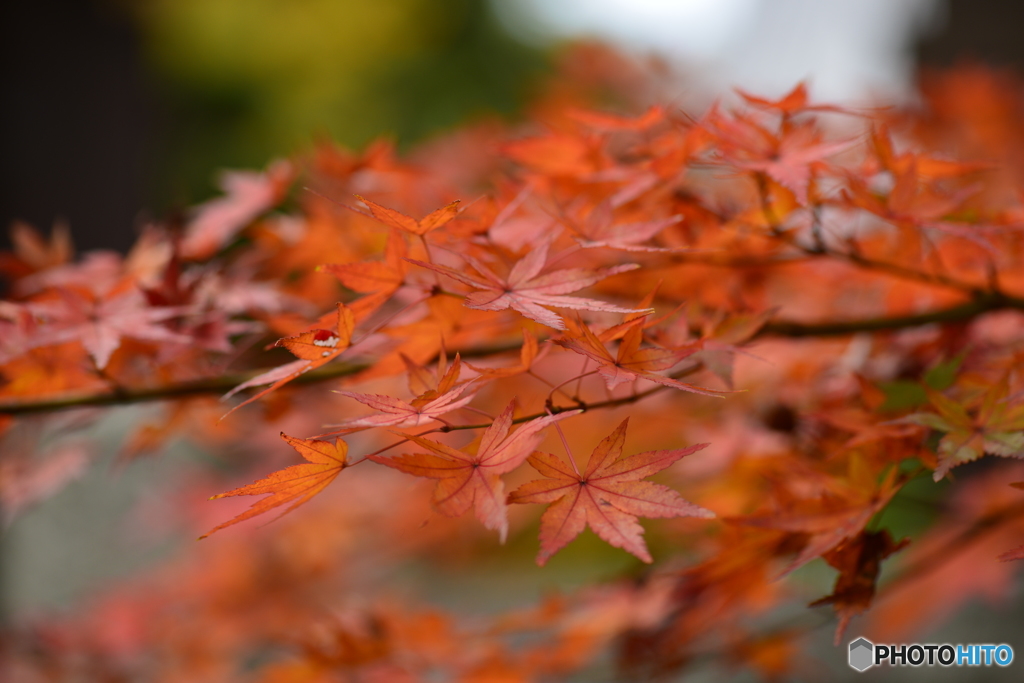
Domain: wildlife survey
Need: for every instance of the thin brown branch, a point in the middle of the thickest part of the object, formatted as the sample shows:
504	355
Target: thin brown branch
953	314
199	387
583	405
953	546
778	328
821	250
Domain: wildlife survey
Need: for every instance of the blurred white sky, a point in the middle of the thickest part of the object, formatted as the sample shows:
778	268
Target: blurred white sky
849	49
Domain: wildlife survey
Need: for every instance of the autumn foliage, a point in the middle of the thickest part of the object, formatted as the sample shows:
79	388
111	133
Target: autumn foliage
760	332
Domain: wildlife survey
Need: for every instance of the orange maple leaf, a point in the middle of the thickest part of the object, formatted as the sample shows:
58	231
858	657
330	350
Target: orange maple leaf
630	361
471	479
313	349
608	496
605	122
527	356
793	102
298	483
378	279
397	219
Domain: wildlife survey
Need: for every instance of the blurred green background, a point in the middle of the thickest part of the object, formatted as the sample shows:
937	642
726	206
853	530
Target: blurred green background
244	80
121	110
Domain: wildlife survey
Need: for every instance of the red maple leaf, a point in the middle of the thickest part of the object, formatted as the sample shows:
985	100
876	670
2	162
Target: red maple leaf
527	291
425	408
608	496
100	322
630	362
471	479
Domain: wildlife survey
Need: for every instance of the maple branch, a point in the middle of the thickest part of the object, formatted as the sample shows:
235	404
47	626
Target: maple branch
964	312
957	544
820	249
207	385
583	406
981	304
199	387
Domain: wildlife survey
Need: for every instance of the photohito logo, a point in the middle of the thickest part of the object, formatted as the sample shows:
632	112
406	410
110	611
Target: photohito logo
863	654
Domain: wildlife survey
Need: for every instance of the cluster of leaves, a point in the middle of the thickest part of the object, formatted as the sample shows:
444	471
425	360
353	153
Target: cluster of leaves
842	299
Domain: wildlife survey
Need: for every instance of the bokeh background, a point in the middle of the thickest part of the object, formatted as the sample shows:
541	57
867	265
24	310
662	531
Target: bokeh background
117	112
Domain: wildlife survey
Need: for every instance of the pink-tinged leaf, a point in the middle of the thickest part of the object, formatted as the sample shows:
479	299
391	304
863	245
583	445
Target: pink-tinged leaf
630	361
608	496
247	195
426	408
100	323
528	292
600	230
281	372
471	479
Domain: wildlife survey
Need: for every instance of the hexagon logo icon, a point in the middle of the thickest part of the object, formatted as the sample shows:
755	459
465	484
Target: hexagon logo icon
862	653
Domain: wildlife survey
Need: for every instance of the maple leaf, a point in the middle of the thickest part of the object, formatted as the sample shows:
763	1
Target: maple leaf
840	512
471	479
603	121
793	102
426	407
100	323
374	277
916	203
608	496
556	154
248	195
399	220
527	291
527	356
996	427
36	253
858	560
296	484
599	230
630	361
313	349
788	158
